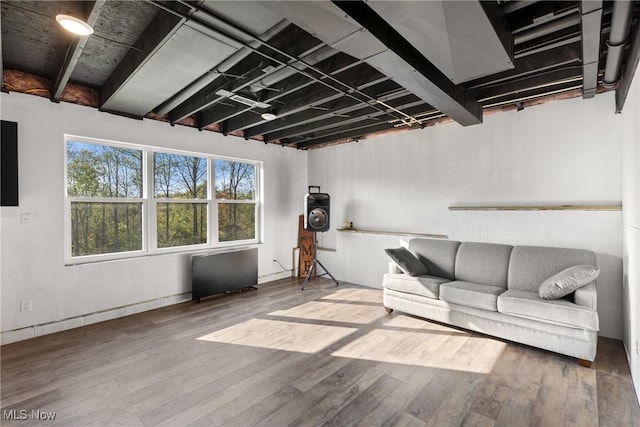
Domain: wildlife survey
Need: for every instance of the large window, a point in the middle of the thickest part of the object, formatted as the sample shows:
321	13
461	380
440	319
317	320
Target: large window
236	196
125	200
104	188
180	191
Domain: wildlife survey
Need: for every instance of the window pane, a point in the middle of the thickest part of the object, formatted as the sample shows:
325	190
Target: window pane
179	177
102	171
100	228
235	180
236	221
181	224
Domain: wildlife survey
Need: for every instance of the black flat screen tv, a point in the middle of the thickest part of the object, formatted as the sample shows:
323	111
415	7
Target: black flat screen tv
223	272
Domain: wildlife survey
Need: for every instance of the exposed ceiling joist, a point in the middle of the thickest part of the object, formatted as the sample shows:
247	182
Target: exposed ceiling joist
384	48
340	118
328	113
537	64
329	71
74	51
251	71
163	26
591	22
301	106
298	84
347	131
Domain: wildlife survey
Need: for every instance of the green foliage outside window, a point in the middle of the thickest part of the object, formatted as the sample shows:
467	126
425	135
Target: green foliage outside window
102	228
103	171
106	187
236	221
180	177
235	190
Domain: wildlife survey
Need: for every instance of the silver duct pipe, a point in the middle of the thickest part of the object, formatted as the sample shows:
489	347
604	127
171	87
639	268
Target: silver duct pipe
513	6
219	69
310	59
620	25
547	28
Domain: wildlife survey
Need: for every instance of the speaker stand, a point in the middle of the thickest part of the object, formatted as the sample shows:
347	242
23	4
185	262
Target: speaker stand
314	265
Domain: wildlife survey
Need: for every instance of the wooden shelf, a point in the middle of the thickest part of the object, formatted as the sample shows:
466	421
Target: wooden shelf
539	208
392	233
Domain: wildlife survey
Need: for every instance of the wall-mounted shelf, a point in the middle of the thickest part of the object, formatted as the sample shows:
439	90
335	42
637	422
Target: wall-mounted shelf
539	208
392	233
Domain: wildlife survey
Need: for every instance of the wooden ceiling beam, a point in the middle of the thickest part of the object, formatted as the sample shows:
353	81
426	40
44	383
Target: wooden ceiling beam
73	52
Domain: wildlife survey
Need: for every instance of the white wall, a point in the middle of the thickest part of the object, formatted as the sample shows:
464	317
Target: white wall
631	229
32	256
565	152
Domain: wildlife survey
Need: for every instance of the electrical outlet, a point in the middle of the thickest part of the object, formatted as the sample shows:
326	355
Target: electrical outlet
26	305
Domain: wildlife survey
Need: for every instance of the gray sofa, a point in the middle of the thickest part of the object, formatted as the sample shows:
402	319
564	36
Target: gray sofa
493	289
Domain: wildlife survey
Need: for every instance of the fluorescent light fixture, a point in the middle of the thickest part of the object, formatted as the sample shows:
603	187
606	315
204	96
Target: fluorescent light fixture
74	25
242	99
268	116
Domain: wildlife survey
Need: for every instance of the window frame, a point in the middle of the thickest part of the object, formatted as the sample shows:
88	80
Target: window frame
255	201
149	204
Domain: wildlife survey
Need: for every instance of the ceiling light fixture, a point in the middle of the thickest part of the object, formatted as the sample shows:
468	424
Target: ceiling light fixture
268	116
74	25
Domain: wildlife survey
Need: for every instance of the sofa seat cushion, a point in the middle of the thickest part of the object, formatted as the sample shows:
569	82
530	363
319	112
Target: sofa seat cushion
471	294
562	312
427	286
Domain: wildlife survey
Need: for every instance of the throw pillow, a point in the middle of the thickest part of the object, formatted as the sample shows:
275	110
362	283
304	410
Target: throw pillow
407	261
567	281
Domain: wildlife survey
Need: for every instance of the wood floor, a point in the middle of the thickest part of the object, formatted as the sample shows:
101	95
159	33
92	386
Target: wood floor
325	356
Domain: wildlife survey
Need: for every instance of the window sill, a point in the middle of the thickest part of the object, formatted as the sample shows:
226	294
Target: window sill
128	256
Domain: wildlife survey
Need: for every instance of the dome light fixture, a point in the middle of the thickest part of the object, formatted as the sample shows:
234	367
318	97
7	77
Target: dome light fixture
268	116
74	25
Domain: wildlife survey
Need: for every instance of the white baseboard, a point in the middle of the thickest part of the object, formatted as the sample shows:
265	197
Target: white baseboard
22	334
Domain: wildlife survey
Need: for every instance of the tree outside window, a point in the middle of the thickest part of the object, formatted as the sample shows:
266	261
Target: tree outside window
105	187
114	209
180	189
236	197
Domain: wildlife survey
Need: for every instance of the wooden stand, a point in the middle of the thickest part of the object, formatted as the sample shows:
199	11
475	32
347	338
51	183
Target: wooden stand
307	248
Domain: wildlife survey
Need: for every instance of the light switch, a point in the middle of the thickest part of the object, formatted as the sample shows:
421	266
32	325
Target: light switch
25	218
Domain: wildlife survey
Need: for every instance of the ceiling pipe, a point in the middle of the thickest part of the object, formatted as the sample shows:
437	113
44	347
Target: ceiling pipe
219	69
547	28
310	59
618	37
324	79
513	6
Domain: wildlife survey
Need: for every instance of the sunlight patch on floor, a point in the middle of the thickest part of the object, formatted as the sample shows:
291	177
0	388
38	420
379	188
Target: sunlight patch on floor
278	335
437	350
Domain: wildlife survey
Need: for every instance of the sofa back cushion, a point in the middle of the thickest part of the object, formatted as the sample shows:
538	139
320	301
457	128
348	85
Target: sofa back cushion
483	263
529	266
438	255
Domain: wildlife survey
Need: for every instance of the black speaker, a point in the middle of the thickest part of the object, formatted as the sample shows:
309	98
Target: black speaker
316	212
9	164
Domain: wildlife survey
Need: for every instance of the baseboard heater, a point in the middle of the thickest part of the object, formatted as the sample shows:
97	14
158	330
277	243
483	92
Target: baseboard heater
222	272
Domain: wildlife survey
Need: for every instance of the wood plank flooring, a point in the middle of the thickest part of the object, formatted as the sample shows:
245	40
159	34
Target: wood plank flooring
279	356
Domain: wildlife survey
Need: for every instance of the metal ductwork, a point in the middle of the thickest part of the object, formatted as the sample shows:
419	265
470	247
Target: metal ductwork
618	37
515	5
220	69
591	24
547	28
310	59
368	33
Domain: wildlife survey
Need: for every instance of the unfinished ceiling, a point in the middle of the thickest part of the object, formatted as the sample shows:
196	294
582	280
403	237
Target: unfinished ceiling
327	72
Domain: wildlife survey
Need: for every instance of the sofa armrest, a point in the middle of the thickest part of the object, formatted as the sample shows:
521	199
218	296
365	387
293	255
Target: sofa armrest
587	296
394	269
